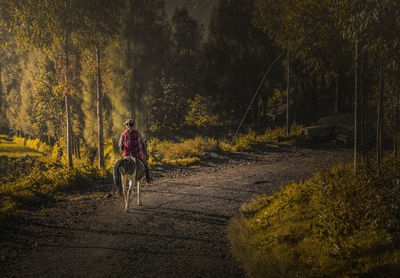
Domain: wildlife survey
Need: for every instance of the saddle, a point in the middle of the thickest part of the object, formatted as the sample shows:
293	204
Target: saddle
129	164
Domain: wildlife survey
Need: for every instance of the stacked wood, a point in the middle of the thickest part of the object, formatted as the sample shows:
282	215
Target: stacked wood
344	133
339	128
319	132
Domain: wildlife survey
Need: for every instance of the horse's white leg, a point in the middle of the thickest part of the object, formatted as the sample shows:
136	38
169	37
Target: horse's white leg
125	192
129	194
138	192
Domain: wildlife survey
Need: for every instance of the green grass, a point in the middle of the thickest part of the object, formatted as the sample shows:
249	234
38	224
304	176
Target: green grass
184	153
336	224
44	177
38	180
17	147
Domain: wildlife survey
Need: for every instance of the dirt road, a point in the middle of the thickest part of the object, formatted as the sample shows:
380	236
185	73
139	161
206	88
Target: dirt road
179	231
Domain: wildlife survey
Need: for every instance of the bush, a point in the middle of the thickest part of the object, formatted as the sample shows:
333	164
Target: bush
336	224
271	137
186	152
199	113
44	184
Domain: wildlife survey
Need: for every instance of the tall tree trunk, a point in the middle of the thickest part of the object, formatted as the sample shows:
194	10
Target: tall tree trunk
365	111
361	91
78	150
67	109
288	96
379	116
1	94
396	120
135	80
100	111
356	110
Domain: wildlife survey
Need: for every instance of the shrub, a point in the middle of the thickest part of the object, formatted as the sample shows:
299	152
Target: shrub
43	184
185	152
271	137
199	112
336	224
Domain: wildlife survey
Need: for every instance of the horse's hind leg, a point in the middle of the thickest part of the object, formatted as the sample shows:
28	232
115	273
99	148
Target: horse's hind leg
125	190
138	192
129	195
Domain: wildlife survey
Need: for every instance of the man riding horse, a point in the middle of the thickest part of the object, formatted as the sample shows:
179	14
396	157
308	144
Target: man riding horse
131	144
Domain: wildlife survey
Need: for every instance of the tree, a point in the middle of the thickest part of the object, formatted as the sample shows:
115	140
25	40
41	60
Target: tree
138	64
101	27
237	54
12	57
41	23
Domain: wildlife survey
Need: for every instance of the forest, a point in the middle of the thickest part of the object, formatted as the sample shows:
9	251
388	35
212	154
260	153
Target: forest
232	75
79	79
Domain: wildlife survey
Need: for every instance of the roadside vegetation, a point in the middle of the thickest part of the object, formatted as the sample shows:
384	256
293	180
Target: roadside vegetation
336	224
34	174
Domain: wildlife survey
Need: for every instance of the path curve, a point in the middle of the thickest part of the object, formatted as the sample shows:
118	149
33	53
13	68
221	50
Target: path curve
179	231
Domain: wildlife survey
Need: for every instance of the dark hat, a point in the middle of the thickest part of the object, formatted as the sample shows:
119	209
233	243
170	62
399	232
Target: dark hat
129	122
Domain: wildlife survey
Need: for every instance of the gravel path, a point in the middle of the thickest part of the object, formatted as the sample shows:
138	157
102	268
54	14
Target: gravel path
179	231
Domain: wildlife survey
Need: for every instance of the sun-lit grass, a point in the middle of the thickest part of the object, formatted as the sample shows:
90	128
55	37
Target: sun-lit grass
336	224
186	152
17	147
39	179
272	137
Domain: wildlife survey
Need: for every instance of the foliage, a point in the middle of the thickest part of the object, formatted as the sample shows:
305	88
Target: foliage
336	224
200	112
45	183
170	108
39	178
183	153
271	137
237	54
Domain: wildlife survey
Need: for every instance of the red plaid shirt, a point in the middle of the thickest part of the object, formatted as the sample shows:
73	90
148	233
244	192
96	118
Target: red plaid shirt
132	143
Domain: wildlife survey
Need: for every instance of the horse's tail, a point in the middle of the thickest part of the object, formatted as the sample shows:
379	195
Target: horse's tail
117	176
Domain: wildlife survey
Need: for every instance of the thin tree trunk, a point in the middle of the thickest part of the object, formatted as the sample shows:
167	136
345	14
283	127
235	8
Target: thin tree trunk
396	121
100	111
78	151
379	117
361	90
288	96
1	93
67	110
364	111
356	116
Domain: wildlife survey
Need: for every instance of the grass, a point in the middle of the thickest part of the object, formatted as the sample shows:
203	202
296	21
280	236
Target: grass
43	176
39	179
336	224
185	152
271	138
17	147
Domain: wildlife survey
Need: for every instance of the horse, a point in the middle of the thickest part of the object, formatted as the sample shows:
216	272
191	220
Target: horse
128	169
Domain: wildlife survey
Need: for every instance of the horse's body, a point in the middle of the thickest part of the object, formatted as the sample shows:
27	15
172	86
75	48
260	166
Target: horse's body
128	169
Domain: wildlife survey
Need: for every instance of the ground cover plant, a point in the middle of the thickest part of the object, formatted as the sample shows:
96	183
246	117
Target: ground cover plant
34	174
272	137
34	181
337	224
